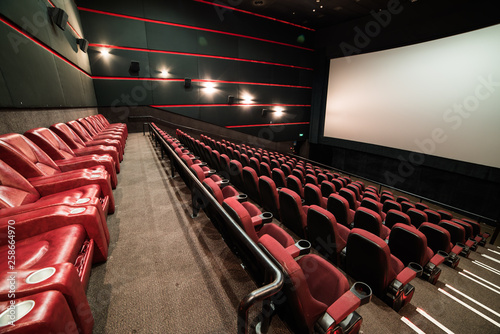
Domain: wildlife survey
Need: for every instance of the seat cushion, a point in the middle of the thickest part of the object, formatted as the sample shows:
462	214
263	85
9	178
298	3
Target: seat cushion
56	246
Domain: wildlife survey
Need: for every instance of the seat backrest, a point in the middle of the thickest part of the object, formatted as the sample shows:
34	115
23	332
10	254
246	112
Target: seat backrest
322	177
327	188
265	169
86	124
339	206
372	195
391	205
67	135
25	157
438	238
236	174
349	195
421	206
300	306
355	190
312	195
408	244
15	190
286	169
372	204
241	215
433	216
255	164
224	163
368	220
214	189
50	143
417	217
368	259
251	183
80	131
405	206
322	232
467	227
311	179
297	172
385	196
476	228
291	211
278	177
200	174
402	199
293	183
395	216
457	232
445	214
269	196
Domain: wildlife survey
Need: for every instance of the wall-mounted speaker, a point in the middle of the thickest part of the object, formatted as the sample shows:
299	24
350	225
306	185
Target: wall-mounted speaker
134	68
230	99
83	44
58	17
187	83
264	112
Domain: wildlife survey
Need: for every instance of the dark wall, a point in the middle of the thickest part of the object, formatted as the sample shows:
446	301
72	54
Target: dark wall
195	40
470	187
30	75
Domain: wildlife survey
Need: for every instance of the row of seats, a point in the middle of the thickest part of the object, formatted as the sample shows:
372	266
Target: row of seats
323	299
55	194
415	239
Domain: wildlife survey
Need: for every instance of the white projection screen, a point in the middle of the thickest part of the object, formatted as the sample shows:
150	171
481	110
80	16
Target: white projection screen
440	97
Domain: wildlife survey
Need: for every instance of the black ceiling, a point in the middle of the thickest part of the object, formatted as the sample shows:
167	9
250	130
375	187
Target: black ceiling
314	13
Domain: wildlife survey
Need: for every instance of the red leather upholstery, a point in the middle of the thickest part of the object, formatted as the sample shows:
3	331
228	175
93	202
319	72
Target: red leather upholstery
350	196
313	195
64	157
65	280
278	177
33	223
394	217
417	217
95	140
269	196
371	221
50	314
17	195
243	212
31	162
104	134
219	194
374	205
79	147
312	287
251	183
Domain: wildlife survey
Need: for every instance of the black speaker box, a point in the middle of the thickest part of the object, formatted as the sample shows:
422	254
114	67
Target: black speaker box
59	17
187	83
230	99
83	43
134	67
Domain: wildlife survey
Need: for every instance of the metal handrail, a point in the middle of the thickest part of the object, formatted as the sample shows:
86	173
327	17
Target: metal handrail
256	295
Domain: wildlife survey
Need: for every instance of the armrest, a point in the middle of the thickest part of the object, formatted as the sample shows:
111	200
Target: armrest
359	294
301	247
241	198
48	185
33	223
438	258
92	162
406	275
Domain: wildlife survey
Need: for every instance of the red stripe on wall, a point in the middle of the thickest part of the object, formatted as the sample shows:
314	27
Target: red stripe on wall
195	55
251	13
46	47
201	80
191	27
257	125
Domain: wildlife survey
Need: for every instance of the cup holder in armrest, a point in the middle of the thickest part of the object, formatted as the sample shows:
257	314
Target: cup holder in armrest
279	189
19	311
304	246
461	244
40	275
195	157
442	253
222	183
362	291
416	268
212	172
266	217
242	198
202	164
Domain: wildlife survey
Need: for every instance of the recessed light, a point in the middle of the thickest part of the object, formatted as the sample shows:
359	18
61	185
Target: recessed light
321	6
314	10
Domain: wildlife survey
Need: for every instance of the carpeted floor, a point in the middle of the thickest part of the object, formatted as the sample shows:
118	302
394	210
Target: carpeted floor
169	273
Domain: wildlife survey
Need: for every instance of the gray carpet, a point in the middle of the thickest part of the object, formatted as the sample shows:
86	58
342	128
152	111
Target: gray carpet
169	273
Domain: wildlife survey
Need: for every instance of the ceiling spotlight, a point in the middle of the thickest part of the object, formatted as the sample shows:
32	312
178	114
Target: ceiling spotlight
314	10
105	52
164	73
278	111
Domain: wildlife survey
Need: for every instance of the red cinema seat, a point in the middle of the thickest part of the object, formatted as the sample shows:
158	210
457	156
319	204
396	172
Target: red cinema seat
394	217
293	214
42	313
106	123
269	196
30	161
221	194
350	196
417	217
66	159
433	216
293	183
369	220
251	183
242	213
80	147
439	239
62	278
319	299
111	134
278	177
88	139
313	196
368	259
339	206
457	234
410	245
325	235
99	127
